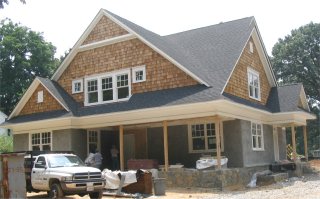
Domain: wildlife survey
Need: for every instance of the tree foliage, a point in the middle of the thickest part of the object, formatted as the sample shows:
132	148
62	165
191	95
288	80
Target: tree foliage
2	2
24	54
6	144
296	58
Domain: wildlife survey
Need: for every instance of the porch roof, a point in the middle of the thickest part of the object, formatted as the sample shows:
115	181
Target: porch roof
162	98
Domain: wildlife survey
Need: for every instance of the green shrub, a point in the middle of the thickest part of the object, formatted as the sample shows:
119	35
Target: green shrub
6	144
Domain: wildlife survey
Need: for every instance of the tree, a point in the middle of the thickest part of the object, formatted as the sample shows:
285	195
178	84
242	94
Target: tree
2	2
296	58
24	54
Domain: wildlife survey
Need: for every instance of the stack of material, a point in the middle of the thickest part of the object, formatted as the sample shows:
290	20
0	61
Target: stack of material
143	184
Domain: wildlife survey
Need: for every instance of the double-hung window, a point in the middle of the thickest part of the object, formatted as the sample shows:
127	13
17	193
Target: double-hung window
107	89
110	87
92	90
123	86
202	137
257	136
253	84
41	141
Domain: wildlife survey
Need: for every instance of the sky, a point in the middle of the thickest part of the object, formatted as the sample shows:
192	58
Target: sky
62	22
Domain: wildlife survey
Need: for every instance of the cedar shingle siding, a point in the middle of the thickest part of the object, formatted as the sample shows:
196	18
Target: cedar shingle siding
238	83
49	103
105	29
160	73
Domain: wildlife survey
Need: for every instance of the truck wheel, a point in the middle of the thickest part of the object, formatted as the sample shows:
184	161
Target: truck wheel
55	191
96	195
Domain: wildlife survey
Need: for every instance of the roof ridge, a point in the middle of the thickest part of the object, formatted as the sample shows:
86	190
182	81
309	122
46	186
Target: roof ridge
203	27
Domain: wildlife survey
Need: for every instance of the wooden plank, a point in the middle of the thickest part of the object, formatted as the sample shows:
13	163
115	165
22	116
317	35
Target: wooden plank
294	147
218	128
165	143
305	142
275	143
121	148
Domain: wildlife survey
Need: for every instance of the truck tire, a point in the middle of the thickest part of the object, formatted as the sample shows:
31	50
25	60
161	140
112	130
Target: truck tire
96	195
55	191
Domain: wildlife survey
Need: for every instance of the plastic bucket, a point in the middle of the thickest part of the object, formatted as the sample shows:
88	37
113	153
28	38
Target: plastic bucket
159	186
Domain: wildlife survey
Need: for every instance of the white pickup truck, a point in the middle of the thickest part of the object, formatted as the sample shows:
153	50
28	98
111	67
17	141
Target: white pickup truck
62	174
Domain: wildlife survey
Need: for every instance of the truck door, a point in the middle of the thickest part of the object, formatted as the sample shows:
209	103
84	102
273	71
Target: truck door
37	174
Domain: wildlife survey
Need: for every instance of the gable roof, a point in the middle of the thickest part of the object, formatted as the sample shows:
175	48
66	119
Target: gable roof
286	98
62	97
207	54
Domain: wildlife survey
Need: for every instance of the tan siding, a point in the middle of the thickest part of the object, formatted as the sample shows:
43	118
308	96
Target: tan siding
238	83
104	29
160	73
49	103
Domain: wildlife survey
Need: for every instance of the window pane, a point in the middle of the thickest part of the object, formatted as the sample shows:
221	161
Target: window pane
46	148
93	97
107	83
259	145
122	80
212	143
35	148
123	92
211	129
198	143
107	95
139	75
92	85
254	144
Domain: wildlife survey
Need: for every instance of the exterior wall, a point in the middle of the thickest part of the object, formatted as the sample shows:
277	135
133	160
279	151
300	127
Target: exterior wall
177	146
21	142
2	119
49	103
256	158
70	140
160	73
238	83
233	143
282	144
104	29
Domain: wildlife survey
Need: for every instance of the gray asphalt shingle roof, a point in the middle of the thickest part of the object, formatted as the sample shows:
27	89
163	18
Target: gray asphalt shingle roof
209	52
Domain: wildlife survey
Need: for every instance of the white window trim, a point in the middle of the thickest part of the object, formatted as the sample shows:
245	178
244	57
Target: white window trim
30	139
40	97
205	122
98	143
262	137
73	86
136	69
114	83
249	72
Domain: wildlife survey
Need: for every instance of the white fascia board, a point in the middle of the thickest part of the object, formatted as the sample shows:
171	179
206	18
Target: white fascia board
26	96
106	42
173	61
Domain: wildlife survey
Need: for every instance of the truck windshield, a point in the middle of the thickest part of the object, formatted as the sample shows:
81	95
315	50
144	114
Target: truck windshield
64	161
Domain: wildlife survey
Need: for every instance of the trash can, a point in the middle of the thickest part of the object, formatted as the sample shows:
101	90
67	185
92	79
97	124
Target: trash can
159	185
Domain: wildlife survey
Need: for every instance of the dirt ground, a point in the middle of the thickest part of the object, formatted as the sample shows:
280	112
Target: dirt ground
306	187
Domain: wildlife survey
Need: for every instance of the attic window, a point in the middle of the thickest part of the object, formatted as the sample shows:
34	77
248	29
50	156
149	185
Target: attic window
254	84
77	86
139	74
250	47
40	97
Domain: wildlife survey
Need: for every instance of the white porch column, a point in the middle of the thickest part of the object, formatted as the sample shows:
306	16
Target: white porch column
165	145
275	143
218	127
121	148
294	147
305	141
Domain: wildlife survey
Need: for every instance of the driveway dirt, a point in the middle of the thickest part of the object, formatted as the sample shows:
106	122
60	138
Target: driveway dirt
306	187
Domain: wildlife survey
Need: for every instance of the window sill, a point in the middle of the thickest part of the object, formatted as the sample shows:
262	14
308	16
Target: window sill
258	150
106	102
